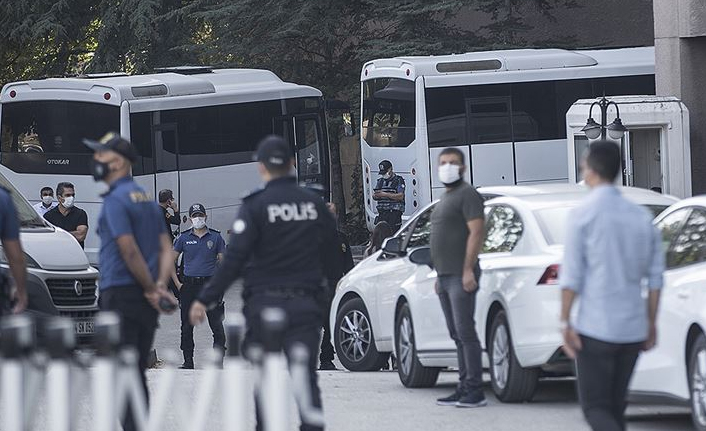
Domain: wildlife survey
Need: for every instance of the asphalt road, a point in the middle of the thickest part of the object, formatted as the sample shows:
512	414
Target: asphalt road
377	401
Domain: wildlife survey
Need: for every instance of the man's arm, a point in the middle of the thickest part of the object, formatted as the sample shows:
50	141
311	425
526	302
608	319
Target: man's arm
16	260
473	246
654	283
80	233
572	275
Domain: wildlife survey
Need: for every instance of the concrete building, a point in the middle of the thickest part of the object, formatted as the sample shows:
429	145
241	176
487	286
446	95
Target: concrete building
680	55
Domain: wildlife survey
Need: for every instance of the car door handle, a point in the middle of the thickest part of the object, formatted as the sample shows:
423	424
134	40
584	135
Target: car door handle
683	294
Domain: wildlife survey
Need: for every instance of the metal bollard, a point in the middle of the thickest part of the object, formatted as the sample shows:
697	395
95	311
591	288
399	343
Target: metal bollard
274	395
299	367
107	336
60	342
16	337
236	384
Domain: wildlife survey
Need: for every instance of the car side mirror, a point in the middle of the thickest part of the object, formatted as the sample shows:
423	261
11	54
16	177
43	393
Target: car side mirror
393	246
422	256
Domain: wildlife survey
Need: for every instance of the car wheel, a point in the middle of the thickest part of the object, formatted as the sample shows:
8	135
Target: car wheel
412	373
511	383
697	382
354	340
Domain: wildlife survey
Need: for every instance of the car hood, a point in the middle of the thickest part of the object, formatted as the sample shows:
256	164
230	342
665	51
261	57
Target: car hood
54	250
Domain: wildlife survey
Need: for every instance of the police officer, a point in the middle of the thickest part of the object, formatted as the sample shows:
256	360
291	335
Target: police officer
338	265
281	233
135	253
10	238
389	194
202	249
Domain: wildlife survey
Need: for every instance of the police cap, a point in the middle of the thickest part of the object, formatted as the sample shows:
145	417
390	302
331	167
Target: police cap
196	209
112	141
384	166
273	150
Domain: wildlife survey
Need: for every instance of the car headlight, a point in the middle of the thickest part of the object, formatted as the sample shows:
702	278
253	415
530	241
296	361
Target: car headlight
31	263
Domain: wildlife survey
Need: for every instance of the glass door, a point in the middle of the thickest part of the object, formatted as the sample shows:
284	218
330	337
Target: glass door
305	137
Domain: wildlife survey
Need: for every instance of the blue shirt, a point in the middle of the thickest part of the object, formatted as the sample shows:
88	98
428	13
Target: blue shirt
200	254
612	253
128	210
9	225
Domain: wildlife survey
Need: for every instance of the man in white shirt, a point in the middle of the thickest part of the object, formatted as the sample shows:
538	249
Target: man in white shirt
47	203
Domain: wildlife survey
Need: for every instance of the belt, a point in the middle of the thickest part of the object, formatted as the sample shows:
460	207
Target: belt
196	280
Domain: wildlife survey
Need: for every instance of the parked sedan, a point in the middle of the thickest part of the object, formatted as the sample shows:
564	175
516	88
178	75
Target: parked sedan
675	370
388	303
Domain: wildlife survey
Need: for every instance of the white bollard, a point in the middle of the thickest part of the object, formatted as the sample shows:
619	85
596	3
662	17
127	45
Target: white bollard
61	340
236	382
275	393
16	336
107	338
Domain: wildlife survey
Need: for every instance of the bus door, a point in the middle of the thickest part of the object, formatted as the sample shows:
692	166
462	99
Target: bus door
305	136
490	136
166	147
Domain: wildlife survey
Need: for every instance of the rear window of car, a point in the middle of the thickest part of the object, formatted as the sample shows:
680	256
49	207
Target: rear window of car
552	221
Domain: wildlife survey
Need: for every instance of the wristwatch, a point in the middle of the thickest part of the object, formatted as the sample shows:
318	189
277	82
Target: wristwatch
564	325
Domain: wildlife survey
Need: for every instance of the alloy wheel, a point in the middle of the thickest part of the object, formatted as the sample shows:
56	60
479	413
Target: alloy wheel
698	388
406	346
355	335
501	356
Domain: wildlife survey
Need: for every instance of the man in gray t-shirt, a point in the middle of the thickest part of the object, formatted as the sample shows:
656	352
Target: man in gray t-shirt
457	232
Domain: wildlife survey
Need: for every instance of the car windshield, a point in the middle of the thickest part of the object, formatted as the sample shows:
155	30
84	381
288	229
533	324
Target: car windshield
552	221
27	215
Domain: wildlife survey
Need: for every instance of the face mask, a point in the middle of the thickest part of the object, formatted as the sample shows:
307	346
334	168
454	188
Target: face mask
69	202
99	170
387	175
47	200
449	174
199	222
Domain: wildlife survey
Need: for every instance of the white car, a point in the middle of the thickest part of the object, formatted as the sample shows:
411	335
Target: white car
675	370
388	301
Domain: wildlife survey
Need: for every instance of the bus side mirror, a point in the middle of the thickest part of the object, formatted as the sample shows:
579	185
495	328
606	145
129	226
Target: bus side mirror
348	124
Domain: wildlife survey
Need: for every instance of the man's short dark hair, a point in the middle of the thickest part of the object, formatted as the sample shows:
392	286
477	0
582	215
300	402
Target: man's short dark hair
63	185
46	189
603	158
456	152
165	195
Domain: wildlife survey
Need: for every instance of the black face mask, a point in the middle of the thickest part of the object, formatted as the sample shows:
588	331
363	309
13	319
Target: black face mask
99	170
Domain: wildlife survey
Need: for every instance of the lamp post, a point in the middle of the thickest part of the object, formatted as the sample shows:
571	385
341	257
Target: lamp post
593	130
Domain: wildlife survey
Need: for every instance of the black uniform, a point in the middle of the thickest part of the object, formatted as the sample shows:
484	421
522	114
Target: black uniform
338	265
279	239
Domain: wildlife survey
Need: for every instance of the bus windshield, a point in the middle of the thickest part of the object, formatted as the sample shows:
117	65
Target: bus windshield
27	215
47	134
388	112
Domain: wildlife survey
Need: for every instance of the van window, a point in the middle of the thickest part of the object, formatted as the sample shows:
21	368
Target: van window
27	215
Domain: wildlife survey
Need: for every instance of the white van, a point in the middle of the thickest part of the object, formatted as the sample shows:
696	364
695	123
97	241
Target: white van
60	280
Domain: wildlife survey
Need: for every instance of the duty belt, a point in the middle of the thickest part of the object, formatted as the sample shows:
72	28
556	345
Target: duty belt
196	280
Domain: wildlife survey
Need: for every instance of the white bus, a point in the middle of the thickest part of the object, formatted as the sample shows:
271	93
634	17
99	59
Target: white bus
195	130
504	109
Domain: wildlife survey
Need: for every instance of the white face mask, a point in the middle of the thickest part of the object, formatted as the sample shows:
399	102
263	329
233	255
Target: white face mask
387	175
198	222
69	202
449	174
47	200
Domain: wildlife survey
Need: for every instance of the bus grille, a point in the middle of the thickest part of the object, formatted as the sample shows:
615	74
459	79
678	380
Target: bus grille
67	293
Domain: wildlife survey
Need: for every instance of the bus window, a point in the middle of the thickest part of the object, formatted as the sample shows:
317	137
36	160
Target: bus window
388	112
446	117
624	85
46	136
489	119
141	138
308	148
534	115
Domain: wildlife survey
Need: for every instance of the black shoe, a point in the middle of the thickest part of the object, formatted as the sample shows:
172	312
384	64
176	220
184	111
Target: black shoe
451	400
327	366
474	399
187	365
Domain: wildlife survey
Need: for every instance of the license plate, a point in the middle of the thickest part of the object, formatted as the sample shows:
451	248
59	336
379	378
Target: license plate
84	328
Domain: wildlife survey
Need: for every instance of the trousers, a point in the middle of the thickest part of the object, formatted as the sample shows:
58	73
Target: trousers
327	350
215	316
604	371
459	309
303	326
138	323
392	217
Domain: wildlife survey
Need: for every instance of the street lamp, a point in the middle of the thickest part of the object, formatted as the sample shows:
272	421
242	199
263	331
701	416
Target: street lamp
593	130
